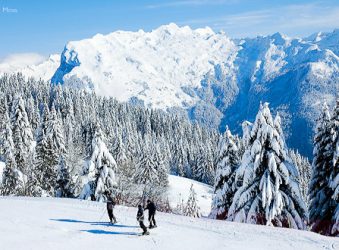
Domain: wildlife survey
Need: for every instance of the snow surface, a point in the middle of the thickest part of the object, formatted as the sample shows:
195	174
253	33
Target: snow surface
49	223
179	189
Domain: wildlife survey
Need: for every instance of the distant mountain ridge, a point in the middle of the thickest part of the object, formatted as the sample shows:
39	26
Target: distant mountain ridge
219	81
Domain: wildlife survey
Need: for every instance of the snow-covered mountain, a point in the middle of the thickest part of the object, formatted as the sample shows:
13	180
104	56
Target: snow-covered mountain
31	65
154	67
49	223
218	80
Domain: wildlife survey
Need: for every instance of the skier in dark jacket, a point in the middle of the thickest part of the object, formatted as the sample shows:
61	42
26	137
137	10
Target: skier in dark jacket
110	205
140	218
151	213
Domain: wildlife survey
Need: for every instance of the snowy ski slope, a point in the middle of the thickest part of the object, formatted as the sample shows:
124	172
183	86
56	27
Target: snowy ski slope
50	223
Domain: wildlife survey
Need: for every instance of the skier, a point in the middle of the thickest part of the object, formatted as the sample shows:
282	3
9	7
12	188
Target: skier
140	218
151	213
110	206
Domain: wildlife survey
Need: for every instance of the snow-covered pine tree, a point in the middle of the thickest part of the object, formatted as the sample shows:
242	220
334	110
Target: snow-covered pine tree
64	184
7	144
3	113
99	169
335	187
125	171
22	137
203	169
54	130
87	133
146	169
22	133
35	177
225	186
192	209
161	167
119	151
166	207
33	115
179	161
269	193
334	178
246	132
320	194
165	152
180	208
69	121
49	151
304	168
72	161
12	178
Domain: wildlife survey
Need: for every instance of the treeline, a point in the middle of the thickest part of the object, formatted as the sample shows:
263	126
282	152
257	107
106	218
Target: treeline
65	142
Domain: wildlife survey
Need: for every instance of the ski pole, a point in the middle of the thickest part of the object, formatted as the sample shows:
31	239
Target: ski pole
102	215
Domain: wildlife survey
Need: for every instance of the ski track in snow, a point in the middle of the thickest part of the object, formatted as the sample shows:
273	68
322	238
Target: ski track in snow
50	223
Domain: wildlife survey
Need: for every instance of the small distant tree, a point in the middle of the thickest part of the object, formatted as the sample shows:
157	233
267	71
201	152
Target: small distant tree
180	208
192	209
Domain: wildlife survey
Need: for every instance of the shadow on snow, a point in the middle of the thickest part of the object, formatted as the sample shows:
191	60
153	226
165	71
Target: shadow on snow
94	223
93	231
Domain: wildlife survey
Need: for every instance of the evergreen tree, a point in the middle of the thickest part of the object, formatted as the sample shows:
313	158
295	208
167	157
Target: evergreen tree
49	151
146	169
304	169
192	209
180	208
12	178
334	184
225	186
3	124
35	178
33	115
246	133
55	132
179	162
119	151
320	194
22	135
269	192
99	169
64	183
334	177
203	169
160	167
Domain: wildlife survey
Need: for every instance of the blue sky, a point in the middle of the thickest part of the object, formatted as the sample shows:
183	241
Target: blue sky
44	26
